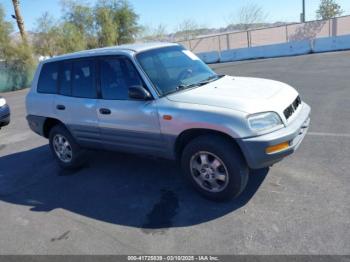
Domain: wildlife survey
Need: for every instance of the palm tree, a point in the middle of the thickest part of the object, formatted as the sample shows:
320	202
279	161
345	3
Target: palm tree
19	20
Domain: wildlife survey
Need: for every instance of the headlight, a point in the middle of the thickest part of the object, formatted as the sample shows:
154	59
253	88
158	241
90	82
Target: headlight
264	121
2	101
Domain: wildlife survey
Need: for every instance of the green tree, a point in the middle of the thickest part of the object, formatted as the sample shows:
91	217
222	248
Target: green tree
55	38
116	22
20	66
47	36
5	31
127	20
106	24
78	14
78	17
18	58
328	9
71	39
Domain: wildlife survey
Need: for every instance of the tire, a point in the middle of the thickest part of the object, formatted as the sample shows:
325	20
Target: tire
77	154
205	173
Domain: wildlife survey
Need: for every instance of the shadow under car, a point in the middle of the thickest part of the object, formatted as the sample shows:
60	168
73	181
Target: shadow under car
116	188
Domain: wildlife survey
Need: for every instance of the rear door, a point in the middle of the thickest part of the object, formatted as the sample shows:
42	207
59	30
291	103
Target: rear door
125	124
76	101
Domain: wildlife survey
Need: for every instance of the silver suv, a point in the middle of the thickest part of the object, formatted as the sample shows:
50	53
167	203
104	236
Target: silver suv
162	100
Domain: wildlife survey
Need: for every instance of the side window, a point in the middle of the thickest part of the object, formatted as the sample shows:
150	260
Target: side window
83	79
117	75
66	79
48	79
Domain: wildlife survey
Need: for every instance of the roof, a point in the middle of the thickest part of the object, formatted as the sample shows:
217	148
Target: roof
134	48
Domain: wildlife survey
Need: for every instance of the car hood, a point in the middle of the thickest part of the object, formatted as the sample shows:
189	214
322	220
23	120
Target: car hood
250	95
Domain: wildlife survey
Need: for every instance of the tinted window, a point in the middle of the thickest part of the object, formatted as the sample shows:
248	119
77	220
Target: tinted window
66	79
83	79
117	75
48	78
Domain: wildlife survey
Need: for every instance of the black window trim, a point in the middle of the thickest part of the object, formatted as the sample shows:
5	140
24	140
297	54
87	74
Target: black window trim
60	71
71	61
96	60
94	75
111	57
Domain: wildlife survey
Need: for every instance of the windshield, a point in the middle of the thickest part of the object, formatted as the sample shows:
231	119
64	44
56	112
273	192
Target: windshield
173	68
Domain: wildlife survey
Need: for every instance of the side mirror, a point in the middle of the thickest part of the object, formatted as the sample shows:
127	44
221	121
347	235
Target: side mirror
139	93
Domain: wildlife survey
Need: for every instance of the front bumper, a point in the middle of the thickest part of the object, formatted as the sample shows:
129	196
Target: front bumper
254	149
4	115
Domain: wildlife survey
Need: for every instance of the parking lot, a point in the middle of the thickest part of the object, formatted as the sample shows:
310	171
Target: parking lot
124	204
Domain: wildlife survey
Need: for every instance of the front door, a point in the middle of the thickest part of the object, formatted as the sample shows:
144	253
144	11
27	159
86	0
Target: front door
125	124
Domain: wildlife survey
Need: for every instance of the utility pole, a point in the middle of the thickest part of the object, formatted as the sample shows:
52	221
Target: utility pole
19	20
302	16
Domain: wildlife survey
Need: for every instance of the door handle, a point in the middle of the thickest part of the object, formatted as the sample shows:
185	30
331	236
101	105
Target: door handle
60	107
105	111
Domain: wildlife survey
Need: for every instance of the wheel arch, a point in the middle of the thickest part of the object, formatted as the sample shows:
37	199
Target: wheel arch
49	124
188	135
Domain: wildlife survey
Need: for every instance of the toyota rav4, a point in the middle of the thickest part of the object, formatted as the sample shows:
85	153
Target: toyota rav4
160	99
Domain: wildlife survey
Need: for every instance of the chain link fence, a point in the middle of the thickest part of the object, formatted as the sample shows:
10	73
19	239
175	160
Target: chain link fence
4	79
11	80
269	36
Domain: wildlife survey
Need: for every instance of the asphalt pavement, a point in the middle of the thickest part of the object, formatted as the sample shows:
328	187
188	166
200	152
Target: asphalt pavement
125	204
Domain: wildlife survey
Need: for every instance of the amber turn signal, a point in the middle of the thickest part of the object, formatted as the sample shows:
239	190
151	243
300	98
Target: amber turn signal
276	148
167	117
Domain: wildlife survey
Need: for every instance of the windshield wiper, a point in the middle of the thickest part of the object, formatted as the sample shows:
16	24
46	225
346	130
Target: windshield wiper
203	82
210	79
181	87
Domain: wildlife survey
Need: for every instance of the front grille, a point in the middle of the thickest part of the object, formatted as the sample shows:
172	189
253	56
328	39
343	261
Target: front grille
289	111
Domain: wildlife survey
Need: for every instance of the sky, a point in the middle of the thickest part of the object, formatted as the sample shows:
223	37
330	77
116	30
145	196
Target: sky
170	13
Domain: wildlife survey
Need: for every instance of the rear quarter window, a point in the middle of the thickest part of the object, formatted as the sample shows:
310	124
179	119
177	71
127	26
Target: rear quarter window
48	79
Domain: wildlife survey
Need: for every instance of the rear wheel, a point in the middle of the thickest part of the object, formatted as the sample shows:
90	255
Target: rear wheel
215	167
67	152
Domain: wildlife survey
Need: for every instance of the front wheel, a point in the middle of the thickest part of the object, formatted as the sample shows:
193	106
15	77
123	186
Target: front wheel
215	167
67	152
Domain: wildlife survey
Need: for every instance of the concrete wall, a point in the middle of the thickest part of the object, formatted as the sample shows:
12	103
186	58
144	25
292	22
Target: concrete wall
210	57
286	49
270	36
301	47
331	44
